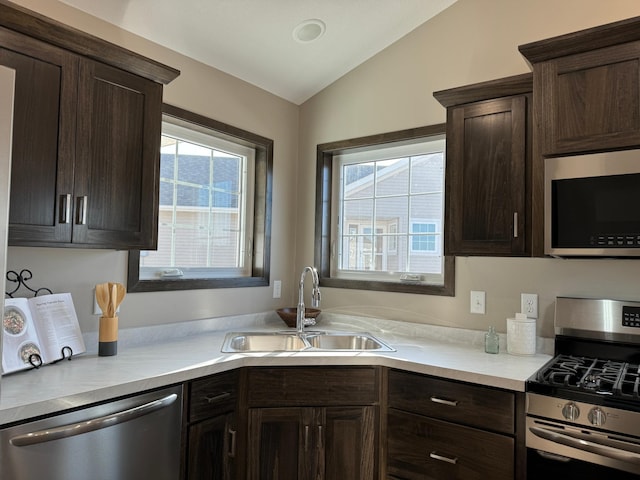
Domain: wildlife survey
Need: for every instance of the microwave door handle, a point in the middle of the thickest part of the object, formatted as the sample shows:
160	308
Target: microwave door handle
580	442
86	426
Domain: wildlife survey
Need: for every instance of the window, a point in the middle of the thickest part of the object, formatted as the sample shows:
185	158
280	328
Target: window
214	209
379	213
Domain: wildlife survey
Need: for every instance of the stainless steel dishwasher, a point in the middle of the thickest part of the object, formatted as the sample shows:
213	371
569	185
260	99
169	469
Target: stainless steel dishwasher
135	438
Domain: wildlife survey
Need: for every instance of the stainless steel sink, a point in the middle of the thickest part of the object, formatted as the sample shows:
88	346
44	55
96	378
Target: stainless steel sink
348	341
263	342
246	342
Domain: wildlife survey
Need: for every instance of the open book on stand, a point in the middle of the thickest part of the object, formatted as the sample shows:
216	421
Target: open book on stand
39	330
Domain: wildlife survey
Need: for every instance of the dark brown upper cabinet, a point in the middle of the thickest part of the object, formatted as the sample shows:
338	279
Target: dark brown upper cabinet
87	127
587	89
488	180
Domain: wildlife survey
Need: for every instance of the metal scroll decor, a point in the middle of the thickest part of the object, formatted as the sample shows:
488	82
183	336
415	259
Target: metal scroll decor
21	279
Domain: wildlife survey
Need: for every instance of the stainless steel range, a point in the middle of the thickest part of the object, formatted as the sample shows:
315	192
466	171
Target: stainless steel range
583	406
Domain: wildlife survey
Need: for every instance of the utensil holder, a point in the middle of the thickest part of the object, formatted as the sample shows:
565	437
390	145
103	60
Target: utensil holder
108	336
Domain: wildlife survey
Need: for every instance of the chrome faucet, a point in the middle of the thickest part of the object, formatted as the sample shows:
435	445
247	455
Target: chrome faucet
301	320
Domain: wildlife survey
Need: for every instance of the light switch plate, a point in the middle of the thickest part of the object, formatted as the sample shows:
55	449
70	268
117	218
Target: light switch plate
477	302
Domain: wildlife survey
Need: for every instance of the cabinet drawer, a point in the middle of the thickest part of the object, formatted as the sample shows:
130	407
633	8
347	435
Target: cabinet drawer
429	448
471	405
213	395
279	387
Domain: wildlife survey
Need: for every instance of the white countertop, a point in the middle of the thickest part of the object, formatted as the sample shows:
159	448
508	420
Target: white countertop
158	356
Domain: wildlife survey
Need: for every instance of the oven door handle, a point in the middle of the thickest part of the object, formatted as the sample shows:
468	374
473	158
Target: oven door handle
627	452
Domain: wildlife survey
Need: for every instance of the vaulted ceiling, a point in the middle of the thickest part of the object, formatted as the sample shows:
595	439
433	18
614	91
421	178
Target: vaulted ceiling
254	39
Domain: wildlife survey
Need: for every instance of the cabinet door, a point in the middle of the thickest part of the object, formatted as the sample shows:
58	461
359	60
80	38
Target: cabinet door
43	139
589	101
117	167
212	449
279	442
485	178
349	443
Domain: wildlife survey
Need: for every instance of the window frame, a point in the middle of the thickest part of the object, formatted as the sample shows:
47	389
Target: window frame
262	195
324	208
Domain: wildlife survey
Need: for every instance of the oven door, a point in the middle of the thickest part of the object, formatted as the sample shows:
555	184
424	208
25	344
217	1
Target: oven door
579	453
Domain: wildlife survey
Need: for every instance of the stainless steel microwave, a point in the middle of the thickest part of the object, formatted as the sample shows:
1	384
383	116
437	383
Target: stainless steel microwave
592	205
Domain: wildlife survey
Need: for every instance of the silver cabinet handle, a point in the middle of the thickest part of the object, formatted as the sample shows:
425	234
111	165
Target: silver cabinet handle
444	401
515	224
306	438
65	208
232	438
319	447
443	458
98	423
216	398
82	210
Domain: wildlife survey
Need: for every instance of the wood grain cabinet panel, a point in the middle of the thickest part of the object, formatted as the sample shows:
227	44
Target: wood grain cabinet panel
86	144
316	443
440	429
488	182
442	450
587	89
43	149
211	428
118	151
313	423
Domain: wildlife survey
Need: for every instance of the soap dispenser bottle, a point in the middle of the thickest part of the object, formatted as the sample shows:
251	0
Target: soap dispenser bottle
491	341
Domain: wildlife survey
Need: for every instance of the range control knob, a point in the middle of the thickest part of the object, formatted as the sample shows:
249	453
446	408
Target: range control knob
571	411
597	417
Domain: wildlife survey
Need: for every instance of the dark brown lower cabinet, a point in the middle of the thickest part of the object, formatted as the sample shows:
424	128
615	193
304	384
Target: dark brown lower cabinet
312	443
426	448
441	429
313	423
212	449
212	428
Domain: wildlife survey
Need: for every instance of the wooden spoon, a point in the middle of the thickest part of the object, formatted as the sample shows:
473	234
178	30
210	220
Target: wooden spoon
102	297
120	293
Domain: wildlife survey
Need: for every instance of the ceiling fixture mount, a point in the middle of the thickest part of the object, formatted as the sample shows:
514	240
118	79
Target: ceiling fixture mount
309	30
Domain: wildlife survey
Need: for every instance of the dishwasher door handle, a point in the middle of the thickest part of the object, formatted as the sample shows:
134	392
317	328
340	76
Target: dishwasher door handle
50	434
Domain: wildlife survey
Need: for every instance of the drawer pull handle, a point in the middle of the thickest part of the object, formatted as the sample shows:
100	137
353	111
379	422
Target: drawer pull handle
320	442
306	438
232	437
443	458
216	398
444	401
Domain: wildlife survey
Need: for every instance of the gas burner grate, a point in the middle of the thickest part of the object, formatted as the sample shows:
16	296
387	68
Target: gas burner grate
592	375
630	382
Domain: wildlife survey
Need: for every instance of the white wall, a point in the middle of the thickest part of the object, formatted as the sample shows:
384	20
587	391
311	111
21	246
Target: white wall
206	91
471	41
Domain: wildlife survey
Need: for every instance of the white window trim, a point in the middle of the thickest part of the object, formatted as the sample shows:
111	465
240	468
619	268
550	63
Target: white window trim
434	144
195	134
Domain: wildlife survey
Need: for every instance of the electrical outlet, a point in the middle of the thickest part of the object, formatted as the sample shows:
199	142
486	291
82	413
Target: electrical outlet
277	288
529	304
477	300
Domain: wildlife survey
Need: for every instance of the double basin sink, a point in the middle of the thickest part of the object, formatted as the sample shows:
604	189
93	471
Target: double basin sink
245	342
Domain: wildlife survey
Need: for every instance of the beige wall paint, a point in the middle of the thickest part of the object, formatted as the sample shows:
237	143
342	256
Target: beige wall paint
471	41
206	91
